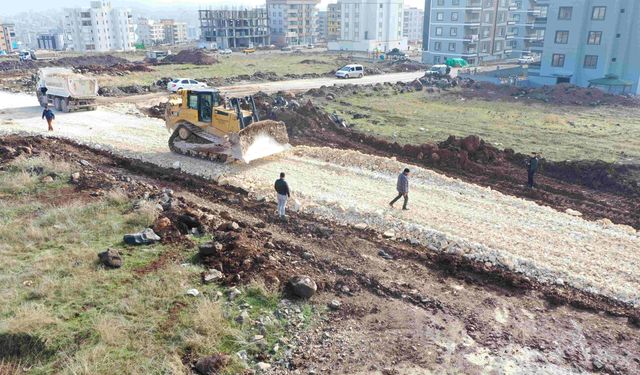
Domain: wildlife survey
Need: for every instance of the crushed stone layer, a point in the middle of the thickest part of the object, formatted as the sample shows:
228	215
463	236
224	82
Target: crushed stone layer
353	188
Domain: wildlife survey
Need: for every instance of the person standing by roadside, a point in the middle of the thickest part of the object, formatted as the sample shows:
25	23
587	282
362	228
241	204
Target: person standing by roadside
283	194
403	189
532	168
48	114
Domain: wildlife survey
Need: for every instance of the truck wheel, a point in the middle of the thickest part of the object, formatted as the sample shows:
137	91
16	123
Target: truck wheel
346	76
56	103
64	105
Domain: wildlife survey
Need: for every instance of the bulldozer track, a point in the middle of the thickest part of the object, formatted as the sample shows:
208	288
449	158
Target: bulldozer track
196	136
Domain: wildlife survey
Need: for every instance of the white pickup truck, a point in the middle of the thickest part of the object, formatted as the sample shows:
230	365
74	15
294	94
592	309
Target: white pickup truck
65	90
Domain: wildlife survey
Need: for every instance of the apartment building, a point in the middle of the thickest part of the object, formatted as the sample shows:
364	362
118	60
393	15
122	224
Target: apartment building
174	32
412	24
370	26
149	32
526	27
293	22
475	30
8	42
589	40
53	40
235	28
322	25
99	28
333	22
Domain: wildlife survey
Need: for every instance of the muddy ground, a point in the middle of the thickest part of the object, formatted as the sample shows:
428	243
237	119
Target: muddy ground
595	189
403	309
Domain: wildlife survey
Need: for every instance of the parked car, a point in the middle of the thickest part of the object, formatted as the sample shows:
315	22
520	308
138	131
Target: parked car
248	50
286	48
310	46
438	71
528	60
184	83
351	71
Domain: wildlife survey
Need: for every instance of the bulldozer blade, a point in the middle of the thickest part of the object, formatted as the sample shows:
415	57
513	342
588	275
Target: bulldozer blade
260	139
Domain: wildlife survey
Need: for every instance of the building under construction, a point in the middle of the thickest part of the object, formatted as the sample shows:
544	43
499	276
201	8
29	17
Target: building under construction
235	28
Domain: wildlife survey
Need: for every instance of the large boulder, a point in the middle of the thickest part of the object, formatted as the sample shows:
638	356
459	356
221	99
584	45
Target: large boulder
303	286
111	258
212	365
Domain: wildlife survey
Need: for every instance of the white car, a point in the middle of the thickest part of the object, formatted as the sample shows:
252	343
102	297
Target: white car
351	71
184	84
225	51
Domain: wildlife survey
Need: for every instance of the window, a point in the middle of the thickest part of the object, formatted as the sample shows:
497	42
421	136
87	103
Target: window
614	59
557	60
453	31
440	16
565	13
437	46
440	3
380	6
454	16
452	47
438	31
594	37
193	101
598	13
562	37
455	2
591	61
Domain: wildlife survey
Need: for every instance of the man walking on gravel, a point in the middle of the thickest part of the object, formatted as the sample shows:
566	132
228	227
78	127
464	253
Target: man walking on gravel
532	167
403	189
48	114
283	194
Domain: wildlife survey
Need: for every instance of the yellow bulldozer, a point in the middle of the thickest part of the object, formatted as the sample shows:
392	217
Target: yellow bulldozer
204	124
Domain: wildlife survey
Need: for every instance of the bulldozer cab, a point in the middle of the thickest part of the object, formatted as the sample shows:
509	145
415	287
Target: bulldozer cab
203	103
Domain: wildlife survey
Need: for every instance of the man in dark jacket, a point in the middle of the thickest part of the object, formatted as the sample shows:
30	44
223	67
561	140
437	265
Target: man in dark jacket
403	189
282	190
48	114
532	167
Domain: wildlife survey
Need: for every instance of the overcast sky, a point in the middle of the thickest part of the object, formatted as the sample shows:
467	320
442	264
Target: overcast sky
11	7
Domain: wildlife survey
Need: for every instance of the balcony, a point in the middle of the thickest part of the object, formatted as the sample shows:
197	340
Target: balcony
471	38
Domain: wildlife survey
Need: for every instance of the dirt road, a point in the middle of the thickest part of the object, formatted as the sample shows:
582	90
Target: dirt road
403	310
296	85
348	187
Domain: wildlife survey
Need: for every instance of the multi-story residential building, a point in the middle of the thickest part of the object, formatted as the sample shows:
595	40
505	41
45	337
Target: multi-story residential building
587	40
412	24
53	40
526	27
149	32
8	42
322	25
475	30
333	22
99	28
235	28
370	25
293	22
174	32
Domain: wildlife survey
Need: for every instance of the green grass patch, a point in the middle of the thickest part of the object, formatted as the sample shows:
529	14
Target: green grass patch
559	132
63	313
230	66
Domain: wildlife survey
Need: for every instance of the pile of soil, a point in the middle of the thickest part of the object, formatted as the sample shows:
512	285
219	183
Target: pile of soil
156	111
117	69
91	60
561	94
596	189
312	62
190	56
95	62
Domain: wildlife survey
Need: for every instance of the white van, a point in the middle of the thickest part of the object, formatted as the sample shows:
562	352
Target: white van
350	71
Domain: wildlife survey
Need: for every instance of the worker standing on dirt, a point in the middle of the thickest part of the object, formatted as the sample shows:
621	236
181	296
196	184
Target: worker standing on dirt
532	167
403	189
48	114
283	194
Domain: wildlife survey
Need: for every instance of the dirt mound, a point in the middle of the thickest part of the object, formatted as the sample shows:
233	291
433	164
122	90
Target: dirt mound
312	62
562	94
156	111
117	69
190	56
91	60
